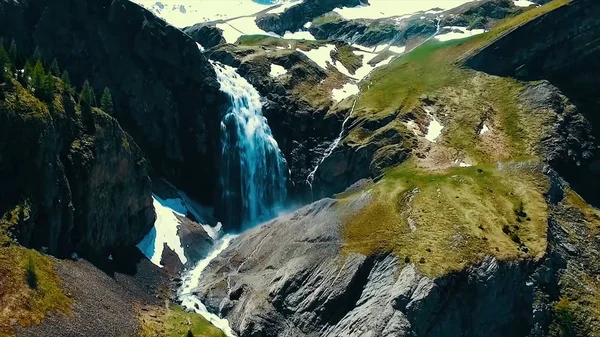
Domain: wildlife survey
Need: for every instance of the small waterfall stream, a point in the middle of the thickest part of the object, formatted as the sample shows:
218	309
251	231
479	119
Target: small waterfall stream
311	176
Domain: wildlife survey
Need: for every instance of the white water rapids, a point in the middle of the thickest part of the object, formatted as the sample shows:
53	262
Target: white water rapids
191	280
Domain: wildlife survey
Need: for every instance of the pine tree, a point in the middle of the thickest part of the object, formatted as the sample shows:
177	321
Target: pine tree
66	81
37	75
87	96
42	83
13	53
189	333
54	70
106	102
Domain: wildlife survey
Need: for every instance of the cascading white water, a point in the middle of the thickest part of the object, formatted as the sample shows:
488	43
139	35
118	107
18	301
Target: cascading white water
253	169
253	177
186	295
332	146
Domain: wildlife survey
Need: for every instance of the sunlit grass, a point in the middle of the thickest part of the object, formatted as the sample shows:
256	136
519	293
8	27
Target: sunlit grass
457	217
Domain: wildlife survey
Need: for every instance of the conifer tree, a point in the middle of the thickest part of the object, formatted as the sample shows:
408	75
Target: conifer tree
66	81
54	70
42	82
106	102
37	75
87	96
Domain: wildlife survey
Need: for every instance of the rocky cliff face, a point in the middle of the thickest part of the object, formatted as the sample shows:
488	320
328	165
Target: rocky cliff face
165	92
293	18
79	189
560	47
312	286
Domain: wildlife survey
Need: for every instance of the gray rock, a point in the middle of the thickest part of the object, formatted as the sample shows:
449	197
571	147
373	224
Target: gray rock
291	277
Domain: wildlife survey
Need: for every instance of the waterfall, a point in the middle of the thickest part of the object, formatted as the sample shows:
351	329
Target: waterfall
253	170
332	146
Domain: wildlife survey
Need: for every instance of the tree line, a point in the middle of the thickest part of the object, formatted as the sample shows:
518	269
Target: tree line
42	78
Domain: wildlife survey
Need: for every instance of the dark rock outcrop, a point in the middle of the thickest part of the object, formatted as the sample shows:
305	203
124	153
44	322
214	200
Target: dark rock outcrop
206	36
561	47
293	18
85	191
164	90
371	33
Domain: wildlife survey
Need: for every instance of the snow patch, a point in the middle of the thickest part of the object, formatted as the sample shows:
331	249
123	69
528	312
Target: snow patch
277	70
187	13
378	9
434	130
164	231
347	90
299	35
484	129
307	25
523	3
321	56
458	33
367	68
200	46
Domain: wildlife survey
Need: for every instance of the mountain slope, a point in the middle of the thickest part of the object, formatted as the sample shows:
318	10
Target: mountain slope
474	234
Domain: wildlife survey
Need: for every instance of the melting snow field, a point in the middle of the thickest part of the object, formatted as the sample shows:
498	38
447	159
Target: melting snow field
277	71
184	13
347	90
484	129
387	8
187	13
363	71
164	231
524	3
300	35
190	281
459	33
434	130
